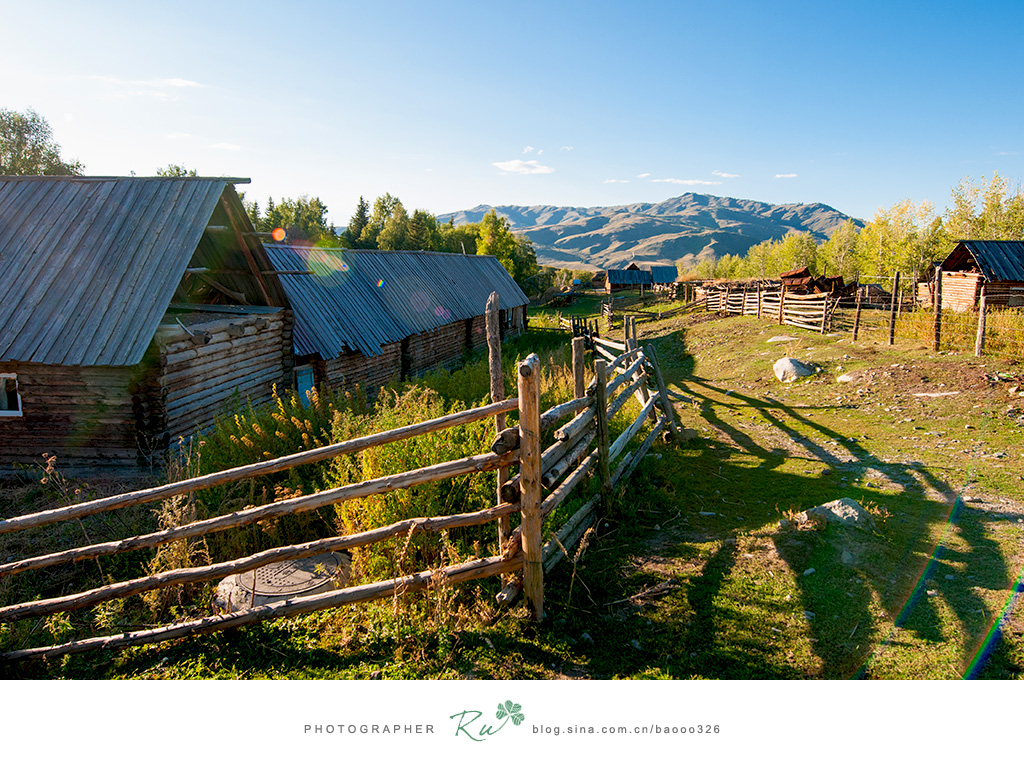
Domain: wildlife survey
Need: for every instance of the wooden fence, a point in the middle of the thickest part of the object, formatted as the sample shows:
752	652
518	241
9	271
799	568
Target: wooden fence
810	312
545	479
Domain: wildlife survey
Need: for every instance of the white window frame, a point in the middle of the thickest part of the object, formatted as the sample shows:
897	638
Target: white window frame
4	377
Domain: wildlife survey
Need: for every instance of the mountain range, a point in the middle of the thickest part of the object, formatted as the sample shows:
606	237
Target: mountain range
690	227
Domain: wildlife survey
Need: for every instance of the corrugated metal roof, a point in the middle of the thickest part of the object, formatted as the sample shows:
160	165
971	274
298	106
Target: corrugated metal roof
90	263
998	259
663	274
362	300
629	277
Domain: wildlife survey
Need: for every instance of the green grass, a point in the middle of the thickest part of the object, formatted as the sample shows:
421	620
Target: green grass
664	591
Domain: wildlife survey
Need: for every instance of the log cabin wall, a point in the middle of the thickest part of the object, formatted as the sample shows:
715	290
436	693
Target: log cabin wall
960	290
369	372
1004	293
83	415
247	354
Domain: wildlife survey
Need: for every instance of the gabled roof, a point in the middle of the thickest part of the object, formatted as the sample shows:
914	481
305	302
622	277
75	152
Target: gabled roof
997	259
662	274
90	264
362	300
629	277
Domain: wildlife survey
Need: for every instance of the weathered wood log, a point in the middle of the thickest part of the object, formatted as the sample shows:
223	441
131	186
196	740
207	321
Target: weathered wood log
979	341
510	591
252	470
297	505
223	569
571	429
624	375
570	534
627	435
479	568
507	440
620	347
555	413
510	491
605	353
603	437
666	402
555	472
561	493
644	447
626	394
529	482
578	376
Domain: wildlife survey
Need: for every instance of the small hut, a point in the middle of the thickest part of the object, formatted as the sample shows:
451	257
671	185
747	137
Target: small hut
663	276
998	265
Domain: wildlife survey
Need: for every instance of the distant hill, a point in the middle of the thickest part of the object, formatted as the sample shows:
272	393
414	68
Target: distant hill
690	227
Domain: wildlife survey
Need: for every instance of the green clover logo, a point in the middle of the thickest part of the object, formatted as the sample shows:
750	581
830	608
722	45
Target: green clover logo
510	709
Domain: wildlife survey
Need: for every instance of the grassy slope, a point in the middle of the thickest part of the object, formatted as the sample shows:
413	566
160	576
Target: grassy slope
693	577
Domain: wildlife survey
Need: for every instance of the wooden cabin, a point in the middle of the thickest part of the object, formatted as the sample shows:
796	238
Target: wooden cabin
134	308
996	265
368	317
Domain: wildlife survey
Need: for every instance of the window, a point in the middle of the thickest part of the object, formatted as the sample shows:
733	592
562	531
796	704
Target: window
10	399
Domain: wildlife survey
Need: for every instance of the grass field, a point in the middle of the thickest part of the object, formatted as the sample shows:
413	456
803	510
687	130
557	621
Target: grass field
702	570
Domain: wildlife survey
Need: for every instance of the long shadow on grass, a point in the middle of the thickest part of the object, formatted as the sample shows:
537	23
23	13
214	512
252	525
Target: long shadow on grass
837	571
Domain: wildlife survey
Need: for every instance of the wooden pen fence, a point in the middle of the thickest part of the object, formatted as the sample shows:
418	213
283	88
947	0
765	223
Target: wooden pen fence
545	479
813	311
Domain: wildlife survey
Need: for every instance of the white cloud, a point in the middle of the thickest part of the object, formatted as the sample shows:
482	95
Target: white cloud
540	152
616	182
645	175
724	175
566	147
519	166
674	181
529	149
784	176
174	82
226	146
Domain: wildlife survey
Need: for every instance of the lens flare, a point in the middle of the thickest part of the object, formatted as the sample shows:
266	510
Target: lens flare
278	234
380	283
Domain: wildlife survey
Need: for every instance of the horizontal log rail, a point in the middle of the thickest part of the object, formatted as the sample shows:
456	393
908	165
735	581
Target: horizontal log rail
297	505
474	569
223	569
555	413
253	470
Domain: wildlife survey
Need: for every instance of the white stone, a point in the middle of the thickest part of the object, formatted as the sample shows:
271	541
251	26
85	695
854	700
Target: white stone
843	511
787	370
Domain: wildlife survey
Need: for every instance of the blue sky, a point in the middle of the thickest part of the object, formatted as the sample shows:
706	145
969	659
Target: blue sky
452	104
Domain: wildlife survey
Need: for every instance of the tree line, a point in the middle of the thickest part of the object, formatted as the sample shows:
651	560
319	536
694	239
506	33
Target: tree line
907	238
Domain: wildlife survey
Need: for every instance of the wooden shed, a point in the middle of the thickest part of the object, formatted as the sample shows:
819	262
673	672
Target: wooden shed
133	309
996	264
367	317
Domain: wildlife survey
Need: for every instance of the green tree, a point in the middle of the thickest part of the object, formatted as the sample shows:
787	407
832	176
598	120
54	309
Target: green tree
358	222
302	218
515	252
394	235
176	170
27	146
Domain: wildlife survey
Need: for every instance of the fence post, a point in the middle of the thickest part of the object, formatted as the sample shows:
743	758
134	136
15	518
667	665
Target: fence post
856	315
529	482
782	302
759	299
603	442
979	342
497	394
892	307
938	308
578	379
